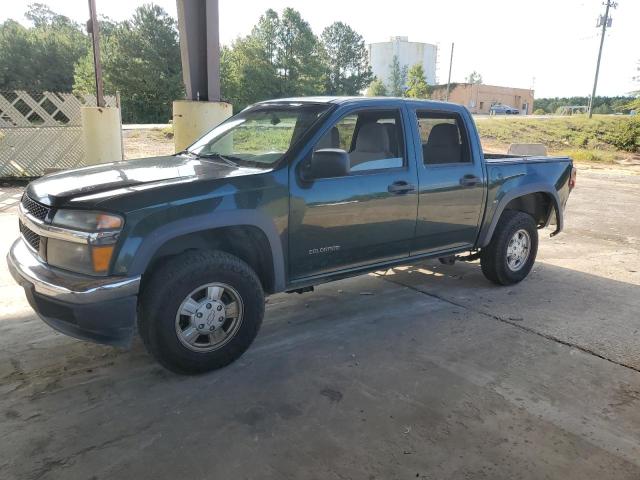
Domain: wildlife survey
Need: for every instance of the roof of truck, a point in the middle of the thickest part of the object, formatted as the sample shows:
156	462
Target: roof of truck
365	100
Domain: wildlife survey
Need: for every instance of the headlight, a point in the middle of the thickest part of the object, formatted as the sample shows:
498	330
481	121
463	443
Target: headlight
90	243
87	221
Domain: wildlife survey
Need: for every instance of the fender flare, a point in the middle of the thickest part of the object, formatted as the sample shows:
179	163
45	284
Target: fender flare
487	231
200	223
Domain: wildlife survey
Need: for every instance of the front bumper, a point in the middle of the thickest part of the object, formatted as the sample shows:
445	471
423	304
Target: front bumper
102	310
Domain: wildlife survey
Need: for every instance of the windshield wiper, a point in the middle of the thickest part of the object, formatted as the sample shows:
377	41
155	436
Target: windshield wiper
228	159
186	152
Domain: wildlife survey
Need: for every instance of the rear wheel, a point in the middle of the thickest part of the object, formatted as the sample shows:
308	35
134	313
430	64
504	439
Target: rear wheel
510	255
200	311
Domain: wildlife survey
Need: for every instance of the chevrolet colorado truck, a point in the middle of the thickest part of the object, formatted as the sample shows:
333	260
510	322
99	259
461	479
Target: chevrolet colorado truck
285	195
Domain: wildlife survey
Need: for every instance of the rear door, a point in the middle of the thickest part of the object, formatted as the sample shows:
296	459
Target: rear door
366	216
452	183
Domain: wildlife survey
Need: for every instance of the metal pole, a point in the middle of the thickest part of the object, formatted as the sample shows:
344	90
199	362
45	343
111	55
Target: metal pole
446	98
213	50
595	80
198	24
94	30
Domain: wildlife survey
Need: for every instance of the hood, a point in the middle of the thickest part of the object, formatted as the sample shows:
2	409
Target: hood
121	177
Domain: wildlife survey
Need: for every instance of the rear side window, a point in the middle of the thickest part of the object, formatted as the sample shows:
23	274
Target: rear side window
443	137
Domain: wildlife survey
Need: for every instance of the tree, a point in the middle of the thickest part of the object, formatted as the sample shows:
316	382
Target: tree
397	77
281	57
416	82
603	109
40	57
347	62
377	89
247	74
474	77
616	104
299	56
635	103
265	34
141	60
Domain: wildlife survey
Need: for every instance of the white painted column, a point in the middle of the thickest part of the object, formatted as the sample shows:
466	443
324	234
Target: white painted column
102	134
192	119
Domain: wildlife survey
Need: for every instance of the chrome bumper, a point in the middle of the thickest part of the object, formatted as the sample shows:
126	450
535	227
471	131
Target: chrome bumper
63	286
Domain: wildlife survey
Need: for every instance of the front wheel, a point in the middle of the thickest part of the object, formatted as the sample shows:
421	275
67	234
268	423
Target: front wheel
510	255
200	311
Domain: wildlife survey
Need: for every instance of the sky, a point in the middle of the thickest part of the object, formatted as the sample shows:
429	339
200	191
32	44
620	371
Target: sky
548	45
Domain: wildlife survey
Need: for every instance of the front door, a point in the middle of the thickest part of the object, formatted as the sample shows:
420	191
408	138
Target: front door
452	184
365	215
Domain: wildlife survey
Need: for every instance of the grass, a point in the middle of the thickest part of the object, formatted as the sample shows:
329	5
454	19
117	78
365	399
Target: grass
260	140
584	140
595	140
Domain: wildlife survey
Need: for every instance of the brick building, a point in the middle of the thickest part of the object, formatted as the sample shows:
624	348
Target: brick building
479	98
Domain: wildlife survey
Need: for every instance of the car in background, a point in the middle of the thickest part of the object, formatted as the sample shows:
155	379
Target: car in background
501	109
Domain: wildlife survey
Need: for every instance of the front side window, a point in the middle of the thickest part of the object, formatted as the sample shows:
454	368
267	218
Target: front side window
261	135
443	138
372	140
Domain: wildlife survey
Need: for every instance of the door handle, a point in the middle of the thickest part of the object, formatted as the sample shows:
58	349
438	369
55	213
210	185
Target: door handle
470	181
400	187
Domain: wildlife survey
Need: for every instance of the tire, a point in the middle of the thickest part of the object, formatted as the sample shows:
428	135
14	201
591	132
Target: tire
181	342
502	267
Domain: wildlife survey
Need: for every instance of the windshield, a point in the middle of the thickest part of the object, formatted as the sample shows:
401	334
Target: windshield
260	135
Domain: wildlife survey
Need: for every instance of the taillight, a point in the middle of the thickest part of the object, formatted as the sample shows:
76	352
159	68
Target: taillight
572	179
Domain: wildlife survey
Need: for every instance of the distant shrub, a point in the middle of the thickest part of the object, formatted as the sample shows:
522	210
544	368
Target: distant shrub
603	109
583	155
168	131
539	111
625	135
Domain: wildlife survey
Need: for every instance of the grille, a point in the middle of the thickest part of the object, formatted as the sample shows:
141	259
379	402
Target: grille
34	209
31	237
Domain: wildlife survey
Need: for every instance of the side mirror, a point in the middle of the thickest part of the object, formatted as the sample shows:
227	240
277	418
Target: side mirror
329	163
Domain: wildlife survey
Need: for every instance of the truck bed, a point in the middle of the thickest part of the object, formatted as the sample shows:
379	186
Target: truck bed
498	158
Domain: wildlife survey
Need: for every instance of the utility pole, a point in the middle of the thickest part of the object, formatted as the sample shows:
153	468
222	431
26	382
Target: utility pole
446	98
606	22
94	29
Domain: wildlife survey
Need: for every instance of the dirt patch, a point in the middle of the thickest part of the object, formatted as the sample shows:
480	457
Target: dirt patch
147	143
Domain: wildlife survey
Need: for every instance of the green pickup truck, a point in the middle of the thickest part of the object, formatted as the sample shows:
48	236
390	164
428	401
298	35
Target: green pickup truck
286	195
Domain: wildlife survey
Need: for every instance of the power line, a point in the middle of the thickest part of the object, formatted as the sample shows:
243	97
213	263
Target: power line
605	21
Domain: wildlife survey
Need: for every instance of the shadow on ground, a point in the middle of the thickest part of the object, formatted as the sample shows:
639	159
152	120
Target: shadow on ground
591	312
365	378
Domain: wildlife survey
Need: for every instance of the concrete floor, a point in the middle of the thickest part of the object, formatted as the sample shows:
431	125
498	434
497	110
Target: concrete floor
424	372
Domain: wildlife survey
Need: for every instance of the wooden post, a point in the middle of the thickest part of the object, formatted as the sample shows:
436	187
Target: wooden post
94	29
120	116
446	98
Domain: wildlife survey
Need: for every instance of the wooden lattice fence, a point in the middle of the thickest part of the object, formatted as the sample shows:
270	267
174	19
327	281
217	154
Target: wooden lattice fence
41	131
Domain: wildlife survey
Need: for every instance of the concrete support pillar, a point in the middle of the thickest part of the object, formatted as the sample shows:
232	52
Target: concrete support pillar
192	119
102	133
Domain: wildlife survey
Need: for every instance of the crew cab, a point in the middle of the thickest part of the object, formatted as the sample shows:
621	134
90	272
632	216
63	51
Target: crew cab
285	195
